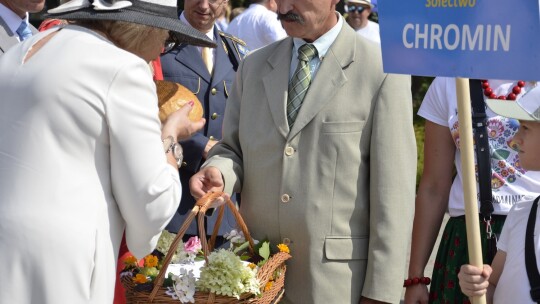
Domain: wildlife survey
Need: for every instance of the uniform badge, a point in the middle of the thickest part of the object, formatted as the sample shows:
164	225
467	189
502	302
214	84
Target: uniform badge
242	50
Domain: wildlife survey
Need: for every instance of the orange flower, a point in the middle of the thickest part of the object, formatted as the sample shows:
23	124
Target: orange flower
130	261
150	261
268	286
140	279
283	248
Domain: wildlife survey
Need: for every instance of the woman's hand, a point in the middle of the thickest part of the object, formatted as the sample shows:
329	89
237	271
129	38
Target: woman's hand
180	126
416	294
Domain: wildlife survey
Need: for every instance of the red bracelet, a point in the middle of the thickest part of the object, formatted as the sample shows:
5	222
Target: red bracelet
414	281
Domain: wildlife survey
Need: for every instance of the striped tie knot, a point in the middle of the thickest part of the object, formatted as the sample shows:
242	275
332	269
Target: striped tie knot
306	52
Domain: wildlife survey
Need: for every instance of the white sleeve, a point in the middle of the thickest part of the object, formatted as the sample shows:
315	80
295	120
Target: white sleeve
436	104
509	223
273	30
146	188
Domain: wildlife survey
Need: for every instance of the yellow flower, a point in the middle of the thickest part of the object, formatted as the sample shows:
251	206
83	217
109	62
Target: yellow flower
283	248
150	261
252	266
130	261
268	286
140	279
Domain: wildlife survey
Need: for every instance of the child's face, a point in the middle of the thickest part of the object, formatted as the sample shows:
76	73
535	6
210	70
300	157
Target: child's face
528	140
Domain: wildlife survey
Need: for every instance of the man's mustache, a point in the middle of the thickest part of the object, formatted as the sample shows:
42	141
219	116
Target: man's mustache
290	16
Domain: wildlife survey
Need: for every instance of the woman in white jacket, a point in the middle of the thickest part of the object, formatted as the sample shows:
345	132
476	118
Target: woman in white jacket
82	149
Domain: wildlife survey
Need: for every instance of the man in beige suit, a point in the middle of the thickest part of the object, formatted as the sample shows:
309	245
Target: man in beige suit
337	181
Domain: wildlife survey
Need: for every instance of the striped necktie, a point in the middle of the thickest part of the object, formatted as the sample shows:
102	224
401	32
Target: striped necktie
300	82
24	31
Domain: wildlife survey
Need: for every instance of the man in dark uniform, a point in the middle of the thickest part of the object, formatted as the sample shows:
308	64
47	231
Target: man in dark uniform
209	73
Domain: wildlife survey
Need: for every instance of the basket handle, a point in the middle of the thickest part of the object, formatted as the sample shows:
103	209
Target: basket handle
200	208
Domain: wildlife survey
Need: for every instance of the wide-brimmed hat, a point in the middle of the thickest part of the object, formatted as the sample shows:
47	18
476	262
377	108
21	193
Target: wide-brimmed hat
525	108
362	2
157	13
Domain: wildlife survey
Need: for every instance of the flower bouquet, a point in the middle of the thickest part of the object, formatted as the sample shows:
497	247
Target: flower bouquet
244	273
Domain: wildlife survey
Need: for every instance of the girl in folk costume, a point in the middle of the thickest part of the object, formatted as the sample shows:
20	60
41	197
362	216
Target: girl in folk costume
440	188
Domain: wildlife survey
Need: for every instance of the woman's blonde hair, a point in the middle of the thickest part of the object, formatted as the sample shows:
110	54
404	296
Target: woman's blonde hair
132	37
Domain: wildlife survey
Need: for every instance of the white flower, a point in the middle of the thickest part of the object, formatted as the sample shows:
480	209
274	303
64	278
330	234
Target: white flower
184	286
235	236
226	274
126	274
164	244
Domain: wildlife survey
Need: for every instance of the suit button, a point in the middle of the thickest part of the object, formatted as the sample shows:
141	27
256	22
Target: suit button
289	151
285	198
214	116
213	91
286	241
212	138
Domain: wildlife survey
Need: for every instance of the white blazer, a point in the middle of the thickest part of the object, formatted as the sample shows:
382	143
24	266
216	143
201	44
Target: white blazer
81	159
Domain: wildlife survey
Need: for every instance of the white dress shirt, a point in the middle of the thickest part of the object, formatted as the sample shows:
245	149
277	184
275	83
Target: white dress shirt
257	26
371	32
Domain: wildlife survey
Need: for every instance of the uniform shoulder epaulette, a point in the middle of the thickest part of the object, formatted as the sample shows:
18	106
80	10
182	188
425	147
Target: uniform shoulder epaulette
233	38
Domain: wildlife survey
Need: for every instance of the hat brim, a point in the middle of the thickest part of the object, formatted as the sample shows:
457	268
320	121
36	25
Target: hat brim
361	2
509	108
184	33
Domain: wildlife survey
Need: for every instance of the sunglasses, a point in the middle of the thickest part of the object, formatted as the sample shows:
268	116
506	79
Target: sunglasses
357	8
171	43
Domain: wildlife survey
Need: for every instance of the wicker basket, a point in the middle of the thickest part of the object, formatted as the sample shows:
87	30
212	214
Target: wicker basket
275	263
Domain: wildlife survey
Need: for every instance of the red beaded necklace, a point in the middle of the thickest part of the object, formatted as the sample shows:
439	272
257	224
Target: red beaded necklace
488	91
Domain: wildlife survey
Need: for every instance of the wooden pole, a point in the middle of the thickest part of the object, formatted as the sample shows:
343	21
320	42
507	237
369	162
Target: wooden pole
472	221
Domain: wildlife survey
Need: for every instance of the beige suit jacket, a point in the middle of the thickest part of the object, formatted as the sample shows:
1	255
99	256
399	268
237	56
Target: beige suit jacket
340	185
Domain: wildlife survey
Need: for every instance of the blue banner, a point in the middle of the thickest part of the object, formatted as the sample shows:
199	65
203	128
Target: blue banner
497	39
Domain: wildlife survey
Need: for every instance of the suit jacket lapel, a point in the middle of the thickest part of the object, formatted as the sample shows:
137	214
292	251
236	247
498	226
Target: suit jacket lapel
7	39
276	84
191	58
329	78
222	66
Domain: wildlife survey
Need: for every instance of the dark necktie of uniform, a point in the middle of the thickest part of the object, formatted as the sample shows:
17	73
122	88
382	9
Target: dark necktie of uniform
300	82
24	31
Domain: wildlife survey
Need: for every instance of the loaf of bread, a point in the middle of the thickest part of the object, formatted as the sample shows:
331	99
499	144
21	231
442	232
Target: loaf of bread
172	96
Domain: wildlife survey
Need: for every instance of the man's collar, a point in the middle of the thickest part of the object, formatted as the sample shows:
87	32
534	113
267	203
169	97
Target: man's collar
12	20
323	43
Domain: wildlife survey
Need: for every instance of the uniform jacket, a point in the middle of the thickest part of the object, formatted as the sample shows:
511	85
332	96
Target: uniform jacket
184	65
7	37
339	186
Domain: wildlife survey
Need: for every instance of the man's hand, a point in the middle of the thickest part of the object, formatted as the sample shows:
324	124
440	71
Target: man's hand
220	200
209	145
473	280
206	180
